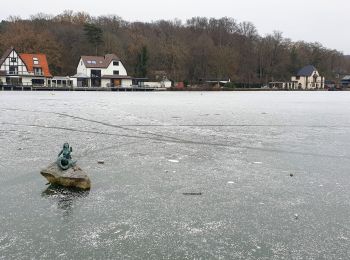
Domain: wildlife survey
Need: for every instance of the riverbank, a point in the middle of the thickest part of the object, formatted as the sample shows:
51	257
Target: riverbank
40	88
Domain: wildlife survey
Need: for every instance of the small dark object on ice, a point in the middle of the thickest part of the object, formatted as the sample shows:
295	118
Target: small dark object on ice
296	216
192	193
101	162
291	175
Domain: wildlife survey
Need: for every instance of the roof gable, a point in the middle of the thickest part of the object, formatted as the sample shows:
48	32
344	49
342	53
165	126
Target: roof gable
6	54
36	61
99	61
307	71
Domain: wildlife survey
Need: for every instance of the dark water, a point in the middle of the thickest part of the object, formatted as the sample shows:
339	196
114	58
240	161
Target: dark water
186	175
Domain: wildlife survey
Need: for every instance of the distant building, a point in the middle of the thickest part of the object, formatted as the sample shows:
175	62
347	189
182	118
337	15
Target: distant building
24	69
306	78
101	71
345	82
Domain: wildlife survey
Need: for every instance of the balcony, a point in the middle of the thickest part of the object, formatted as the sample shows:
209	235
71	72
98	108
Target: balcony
17	73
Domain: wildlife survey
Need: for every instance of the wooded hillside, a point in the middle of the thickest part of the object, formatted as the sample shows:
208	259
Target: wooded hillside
195	50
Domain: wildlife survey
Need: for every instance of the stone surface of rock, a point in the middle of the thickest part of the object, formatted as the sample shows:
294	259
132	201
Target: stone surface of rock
74	177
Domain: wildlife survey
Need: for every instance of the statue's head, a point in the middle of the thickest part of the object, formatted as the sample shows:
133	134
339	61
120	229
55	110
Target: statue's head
65	146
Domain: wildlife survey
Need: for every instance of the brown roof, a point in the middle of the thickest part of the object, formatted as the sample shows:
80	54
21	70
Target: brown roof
99	61
5	55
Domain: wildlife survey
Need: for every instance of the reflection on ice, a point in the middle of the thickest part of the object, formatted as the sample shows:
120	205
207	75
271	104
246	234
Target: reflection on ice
64	197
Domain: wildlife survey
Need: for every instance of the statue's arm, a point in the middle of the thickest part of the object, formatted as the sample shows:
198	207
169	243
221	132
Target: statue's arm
60	153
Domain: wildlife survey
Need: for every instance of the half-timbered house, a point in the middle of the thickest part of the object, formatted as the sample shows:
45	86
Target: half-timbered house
24	69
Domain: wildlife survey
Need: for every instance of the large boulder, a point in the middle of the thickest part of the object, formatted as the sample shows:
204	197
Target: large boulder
74	177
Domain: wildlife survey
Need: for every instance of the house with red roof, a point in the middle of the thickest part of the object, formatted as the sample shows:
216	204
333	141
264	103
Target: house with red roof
23	69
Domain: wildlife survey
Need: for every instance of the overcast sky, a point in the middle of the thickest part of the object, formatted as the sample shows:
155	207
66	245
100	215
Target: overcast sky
324	21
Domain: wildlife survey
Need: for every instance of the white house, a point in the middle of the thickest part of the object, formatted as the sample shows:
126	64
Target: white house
101	71
308	78
24	69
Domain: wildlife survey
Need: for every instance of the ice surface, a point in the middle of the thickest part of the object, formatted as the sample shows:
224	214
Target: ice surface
136	208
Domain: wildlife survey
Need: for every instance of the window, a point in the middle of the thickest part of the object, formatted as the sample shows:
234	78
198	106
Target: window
13	70
13	59
115	63
95	73
89	61
115	72
35	61
38	71
93	62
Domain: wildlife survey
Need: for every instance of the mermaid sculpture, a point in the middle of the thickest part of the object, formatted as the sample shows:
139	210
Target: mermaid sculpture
64	160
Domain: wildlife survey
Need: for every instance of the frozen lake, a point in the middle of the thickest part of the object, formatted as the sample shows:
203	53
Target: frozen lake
237	149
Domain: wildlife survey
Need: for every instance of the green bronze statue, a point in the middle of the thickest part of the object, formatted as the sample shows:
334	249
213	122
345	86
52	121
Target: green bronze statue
64	160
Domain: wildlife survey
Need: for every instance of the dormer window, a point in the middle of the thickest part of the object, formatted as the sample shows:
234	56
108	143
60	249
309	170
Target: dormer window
35	61
115	63
115	72
38	71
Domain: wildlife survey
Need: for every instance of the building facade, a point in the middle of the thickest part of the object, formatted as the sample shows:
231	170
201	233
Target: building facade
345	81
24	69
101	71
308	78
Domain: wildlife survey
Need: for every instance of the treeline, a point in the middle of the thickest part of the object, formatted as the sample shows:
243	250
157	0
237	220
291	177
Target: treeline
199	49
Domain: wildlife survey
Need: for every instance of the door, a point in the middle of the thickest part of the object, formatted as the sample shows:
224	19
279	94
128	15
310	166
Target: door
117	82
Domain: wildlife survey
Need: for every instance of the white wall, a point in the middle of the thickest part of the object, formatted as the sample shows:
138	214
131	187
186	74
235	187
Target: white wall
126	82
153	84
166	83
111	68
105	83
81	67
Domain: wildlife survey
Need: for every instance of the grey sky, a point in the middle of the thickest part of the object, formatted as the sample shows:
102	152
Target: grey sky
324	21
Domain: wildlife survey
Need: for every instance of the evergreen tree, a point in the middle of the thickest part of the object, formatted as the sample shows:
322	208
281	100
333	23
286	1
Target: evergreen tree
94	35
142	62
